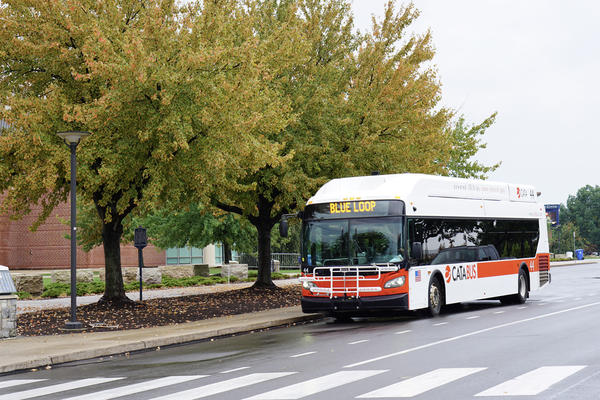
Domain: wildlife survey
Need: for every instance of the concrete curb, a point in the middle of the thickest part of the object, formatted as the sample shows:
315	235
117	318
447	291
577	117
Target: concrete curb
555	264
24	353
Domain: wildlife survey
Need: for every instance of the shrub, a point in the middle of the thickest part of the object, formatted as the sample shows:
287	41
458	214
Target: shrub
24	295
56	289
94	287
193	281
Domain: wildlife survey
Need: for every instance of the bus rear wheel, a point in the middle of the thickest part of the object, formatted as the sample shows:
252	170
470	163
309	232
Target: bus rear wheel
522	292
436	297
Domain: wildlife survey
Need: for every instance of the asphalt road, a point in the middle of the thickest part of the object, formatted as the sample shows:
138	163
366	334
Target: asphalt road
548	348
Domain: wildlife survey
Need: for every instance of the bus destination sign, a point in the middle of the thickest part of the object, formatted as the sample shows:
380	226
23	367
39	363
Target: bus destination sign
362	208
352	207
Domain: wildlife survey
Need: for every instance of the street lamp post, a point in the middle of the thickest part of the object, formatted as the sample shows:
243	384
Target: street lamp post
72	139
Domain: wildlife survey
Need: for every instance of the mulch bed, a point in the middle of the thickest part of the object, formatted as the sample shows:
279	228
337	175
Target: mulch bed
159	312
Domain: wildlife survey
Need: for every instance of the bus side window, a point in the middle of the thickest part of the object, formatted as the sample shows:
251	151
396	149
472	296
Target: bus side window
415	234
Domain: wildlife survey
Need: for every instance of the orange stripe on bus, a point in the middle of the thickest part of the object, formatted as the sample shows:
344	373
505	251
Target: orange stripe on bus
499	268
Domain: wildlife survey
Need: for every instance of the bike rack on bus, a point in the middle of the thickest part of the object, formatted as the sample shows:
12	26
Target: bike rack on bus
350	277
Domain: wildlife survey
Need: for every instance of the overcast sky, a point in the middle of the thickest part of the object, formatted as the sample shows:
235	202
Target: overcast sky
536	62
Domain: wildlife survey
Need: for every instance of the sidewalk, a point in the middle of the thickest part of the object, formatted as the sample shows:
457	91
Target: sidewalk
40	351
555	264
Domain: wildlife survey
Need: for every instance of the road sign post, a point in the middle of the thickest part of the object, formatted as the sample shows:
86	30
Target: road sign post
140	241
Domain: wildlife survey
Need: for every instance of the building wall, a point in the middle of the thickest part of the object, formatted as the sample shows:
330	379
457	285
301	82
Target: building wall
47	248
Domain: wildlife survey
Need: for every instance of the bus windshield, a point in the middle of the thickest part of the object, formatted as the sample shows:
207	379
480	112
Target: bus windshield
357	241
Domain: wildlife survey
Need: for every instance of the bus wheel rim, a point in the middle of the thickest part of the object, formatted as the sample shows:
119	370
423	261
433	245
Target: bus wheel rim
434	296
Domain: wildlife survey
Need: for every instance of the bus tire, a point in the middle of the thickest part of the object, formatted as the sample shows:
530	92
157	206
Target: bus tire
522	291
435	297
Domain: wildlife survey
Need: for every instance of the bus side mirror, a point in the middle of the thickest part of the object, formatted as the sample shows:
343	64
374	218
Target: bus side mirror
283	227
417	250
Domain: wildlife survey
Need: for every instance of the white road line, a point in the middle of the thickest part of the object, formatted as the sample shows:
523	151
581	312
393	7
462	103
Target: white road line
61	387
541	304
17	382
498	312
422	383
520	308
225	386
359	341
440	324
473	317
533	382
234	370
136	388
303	354
577	298
454	338
312	386
403	332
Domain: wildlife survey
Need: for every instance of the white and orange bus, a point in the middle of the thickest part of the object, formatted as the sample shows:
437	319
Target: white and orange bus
412	241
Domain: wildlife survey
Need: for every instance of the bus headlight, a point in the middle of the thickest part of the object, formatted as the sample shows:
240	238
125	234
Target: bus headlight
308	285
394	283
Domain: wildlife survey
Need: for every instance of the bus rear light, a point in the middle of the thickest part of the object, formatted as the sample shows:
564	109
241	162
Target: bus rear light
395	283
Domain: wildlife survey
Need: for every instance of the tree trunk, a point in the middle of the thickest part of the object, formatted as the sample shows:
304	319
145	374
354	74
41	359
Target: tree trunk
114	292
264	256
226	253
263	223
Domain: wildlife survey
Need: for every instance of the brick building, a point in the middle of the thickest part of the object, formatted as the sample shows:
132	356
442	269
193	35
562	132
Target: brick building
47	248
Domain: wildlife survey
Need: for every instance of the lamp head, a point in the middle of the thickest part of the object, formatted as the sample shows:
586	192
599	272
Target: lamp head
72	136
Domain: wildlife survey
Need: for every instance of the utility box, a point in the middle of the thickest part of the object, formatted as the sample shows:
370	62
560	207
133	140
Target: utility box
7	286
579	254
8	304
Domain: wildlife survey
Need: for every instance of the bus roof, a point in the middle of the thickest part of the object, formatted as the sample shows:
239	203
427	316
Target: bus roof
431	195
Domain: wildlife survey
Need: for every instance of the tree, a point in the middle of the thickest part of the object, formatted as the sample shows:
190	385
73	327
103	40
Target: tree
169	94
198	227
584	212
289	244
465	142
358	102
562	240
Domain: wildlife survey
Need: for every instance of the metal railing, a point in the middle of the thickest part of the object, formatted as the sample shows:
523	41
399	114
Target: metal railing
347	280
286	260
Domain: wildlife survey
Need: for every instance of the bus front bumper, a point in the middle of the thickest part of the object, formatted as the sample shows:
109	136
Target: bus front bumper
356	306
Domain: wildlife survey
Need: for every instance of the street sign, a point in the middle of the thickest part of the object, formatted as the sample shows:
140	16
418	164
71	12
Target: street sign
552	212
140	239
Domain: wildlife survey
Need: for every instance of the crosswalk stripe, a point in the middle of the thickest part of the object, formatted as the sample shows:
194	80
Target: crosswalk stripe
17	382
234	370
422	383
26	394
224	386
533	382
312	386
136	388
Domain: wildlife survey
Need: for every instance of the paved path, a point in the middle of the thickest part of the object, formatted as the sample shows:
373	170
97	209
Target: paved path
24	306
